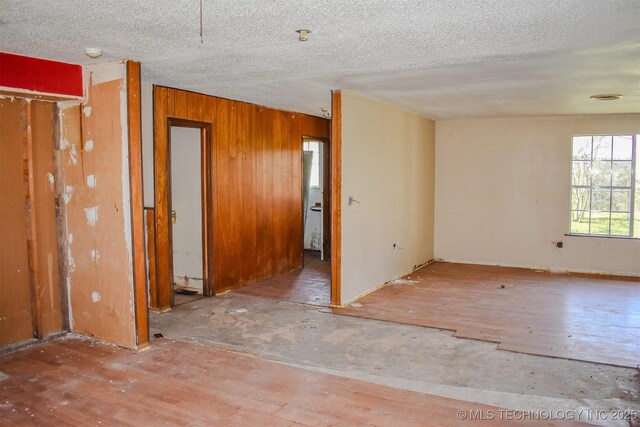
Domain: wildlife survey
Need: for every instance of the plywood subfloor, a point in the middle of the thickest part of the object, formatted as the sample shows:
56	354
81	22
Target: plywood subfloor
580	317
309	285
76	382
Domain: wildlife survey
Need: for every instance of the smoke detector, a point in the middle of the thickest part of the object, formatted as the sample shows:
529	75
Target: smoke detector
93	52
303	34
606	97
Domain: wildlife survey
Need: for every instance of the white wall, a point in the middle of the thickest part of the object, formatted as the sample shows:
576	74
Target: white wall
186	200
388	166
502	194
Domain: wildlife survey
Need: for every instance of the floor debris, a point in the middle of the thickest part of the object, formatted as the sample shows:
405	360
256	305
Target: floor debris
403	282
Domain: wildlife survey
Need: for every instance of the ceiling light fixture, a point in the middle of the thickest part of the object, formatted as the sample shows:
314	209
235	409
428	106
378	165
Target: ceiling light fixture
93	52
606	97
303	34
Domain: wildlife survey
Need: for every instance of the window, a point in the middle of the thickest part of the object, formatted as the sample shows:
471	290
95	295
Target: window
603	186
313	146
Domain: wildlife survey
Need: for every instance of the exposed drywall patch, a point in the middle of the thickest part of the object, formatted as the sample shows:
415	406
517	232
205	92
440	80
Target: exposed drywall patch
92	215
87	111
51	179
95	255
95	296
91	181
70	260
73	155
88	145
105	72
67	194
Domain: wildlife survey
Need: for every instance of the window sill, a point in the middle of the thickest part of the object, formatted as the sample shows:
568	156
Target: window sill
600	236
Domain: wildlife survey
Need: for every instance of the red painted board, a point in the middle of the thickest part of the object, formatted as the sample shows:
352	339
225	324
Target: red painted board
40	75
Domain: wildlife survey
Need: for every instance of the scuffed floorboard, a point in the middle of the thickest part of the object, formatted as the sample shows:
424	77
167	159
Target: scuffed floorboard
579	317
78	382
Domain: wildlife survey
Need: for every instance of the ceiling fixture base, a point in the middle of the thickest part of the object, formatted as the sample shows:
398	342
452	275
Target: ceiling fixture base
303	34
93	52
606	97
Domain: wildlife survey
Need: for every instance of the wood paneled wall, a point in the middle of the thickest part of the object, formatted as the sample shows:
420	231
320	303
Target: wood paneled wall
30	305
256	167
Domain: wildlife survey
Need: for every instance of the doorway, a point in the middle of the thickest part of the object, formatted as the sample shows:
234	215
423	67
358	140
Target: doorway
188	186
311	283
316	197
186	214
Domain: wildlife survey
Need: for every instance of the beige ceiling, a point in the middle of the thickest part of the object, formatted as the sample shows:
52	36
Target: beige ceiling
441	58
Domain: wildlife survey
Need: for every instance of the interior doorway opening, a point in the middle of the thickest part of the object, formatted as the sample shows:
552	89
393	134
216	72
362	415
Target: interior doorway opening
311	283
186	214
187	222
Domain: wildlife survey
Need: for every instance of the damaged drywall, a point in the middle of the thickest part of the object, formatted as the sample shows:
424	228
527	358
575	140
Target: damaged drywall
30	300
94	144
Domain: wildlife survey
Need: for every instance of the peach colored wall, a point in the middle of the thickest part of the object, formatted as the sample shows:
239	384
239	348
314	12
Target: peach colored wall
502	194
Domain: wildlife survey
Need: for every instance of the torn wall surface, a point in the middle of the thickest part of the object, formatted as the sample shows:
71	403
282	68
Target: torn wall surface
98	212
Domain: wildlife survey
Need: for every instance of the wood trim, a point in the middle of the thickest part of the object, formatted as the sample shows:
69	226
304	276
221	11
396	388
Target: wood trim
207	231
326	198
30	218
137	205
150	222
336	197
161	206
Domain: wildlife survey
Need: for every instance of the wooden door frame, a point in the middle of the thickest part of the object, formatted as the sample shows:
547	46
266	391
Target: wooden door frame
164	204
336	198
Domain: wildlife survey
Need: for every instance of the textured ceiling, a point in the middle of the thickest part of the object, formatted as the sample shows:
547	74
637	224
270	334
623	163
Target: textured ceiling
443	59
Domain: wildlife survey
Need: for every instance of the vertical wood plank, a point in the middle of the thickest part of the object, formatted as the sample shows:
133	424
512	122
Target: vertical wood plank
48	303
30	218
151	256
16	320
161	111
137	204
297	222
326	198
61	216
336	197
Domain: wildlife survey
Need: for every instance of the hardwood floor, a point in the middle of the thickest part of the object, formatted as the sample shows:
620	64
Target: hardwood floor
71	382
582	317
310	285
